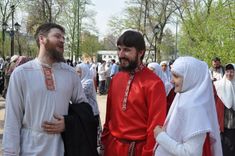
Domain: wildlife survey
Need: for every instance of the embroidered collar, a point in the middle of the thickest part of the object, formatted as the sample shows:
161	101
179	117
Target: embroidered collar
132	74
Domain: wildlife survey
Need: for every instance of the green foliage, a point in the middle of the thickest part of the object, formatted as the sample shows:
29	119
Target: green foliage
145	16
90	44
210	31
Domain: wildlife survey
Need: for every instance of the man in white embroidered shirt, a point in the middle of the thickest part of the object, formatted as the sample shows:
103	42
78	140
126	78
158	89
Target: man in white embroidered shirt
38	97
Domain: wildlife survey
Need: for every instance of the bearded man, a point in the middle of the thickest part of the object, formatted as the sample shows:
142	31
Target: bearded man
38	97
136	102
216	70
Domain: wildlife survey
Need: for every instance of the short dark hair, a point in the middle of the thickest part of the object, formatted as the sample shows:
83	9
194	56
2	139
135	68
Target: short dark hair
113	61
132	38
229	67
171	62
216	59
45	28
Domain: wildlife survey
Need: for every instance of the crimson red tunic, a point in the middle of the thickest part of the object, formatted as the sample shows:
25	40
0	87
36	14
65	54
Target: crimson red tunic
220	110
146	108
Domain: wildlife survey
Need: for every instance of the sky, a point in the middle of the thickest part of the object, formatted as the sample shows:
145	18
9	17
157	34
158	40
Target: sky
105	9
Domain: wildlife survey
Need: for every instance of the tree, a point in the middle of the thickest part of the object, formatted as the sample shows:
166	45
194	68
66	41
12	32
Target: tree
90	44
5	13
76	16
109	42
208	29
168	45
146	16
41	11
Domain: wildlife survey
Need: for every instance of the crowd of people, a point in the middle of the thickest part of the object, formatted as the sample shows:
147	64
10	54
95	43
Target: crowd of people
176	108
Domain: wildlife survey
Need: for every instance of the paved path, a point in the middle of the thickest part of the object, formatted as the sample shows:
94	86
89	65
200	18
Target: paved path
101	102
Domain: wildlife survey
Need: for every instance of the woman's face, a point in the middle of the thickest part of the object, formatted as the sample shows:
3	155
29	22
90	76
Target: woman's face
177	81
164	67
229	74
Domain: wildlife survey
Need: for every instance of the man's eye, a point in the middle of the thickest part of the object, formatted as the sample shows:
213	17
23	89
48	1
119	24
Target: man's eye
126	49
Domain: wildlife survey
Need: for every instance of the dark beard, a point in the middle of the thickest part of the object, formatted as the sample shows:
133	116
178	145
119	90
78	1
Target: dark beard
52	53
132	64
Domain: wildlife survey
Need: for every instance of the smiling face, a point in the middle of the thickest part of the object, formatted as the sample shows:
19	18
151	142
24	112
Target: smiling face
129	57
177	80
229	74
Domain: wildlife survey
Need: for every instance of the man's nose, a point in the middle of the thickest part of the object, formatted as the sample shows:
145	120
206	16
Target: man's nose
62	40
121	53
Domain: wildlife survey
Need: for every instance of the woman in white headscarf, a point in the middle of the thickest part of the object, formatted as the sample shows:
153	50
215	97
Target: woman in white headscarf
166	70
88	86
225	89
156	68
191	127
89	90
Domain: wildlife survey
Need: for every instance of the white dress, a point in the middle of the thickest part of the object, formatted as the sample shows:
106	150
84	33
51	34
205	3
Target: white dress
29	104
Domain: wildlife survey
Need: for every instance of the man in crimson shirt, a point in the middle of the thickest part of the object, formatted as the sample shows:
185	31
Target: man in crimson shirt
136	102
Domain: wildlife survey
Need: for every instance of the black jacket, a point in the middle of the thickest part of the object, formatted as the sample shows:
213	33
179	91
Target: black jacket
80	135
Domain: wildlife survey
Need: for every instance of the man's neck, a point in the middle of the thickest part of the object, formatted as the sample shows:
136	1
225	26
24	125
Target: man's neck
45	59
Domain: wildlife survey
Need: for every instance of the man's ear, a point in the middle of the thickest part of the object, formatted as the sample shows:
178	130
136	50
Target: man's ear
42	39
141	53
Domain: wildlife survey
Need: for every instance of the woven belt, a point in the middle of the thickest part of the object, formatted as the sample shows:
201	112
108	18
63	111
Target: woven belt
132	145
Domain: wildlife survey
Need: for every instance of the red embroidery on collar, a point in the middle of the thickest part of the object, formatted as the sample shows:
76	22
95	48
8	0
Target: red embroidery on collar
132	75
50	84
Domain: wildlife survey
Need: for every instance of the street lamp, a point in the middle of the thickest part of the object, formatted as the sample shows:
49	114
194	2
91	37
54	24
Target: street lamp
15	26
156	30
4	27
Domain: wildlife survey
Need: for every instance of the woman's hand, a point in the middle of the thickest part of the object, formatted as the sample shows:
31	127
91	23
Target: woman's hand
157	130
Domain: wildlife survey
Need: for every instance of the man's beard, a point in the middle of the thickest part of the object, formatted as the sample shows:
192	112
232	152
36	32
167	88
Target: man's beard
52	53
217	67
131	66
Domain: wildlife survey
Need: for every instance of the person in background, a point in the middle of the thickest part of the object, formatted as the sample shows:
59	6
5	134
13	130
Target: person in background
225	89
108	67
114	68
89	90
7	74
166	71
158	71
217	70
191	127
38	97
102	77
93	70
136	102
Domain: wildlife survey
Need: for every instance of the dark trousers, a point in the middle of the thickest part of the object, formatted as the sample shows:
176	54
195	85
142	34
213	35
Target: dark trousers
102	87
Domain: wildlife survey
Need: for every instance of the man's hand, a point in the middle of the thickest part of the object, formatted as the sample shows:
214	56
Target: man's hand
56	126
158	130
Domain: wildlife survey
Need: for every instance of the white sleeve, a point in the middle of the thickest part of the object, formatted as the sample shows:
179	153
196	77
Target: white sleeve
13	115
192	147
78	95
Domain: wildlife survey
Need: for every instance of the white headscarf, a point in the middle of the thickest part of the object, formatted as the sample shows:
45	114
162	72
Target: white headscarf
226	91
86	74
158	71
88	86
193	109
166	73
